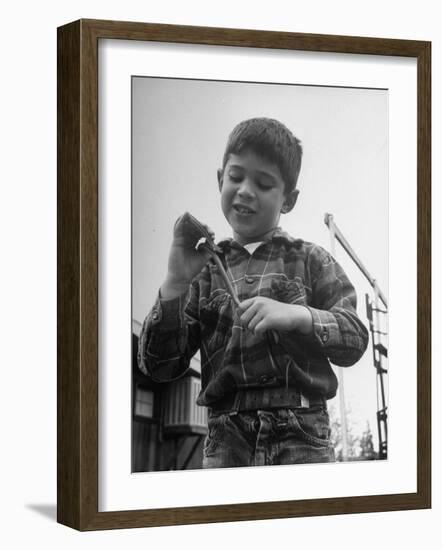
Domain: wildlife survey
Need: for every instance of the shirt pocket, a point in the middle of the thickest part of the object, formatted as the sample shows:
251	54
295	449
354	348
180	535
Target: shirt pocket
216	317
289	291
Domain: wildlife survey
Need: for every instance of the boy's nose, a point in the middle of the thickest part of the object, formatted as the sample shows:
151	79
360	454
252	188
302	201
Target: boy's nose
246	189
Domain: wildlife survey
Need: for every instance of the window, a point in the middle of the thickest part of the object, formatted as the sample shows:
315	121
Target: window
144	402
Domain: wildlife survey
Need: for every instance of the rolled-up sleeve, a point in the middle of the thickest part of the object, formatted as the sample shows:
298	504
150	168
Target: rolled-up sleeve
337	330
169	338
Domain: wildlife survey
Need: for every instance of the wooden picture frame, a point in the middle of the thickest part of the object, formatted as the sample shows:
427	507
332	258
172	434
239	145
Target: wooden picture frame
77	224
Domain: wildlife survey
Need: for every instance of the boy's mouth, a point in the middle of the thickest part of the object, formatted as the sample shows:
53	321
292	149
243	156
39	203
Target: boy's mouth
243	210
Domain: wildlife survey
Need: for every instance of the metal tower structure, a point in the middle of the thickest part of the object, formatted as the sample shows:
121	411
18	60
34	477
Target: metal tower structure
380	357
378	338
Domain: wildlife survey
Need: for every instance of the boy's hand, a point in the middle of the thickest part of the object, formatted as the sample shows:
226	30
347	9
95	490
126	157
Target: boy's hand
184	260
261	314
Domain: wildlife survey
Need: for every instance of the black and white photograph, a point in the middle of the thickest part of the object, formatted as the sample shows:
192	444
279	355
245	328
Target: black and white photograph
221	254
259	274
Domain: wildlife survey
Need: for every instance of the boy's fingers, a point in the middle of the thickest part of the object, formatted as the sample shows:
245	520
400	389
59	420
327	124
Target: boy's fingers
245	304
248	314
261	328
254	322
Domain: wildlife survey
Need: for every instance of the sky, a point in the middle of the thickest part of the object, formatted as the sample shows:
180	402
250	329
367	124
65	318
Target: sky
179	131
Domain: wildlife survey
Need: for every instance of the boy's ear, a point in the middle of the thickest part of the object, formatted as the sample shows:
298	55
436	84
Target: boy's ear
290	201
220	174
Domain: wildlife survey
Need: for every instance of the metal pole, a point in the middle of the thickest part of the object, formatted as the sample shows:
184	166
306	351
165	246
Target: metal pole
329	222
344	427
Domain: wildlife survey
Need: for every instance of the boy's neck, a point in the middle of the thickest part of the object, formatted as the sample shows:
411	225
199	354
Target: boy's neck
240	239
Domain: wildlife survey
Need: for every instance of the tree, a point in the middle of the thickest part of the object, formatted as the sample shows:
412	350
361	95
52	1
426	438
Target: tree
359	446
366	444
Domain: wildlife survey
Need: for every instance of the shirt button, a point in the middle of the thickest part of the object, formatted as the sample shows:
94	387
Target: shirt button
155	315
249	280
325	336
264	379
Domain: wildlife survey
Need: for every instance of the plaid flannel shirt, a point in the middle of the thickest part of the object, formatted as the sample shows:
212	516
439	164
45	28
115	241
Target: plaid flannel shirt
284	269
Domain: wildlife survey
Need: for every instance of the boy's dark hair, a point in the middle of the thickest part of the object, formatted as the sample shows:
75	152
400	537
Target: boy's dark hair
273	141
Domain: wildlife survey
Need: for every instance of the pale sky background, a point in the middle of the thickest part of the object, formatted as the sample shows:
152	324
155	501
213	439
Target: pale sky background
180	129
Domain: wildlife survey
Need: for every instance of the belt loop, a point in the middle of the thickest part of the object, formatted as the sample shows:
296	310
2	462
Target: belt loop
235	404
265	399
305	402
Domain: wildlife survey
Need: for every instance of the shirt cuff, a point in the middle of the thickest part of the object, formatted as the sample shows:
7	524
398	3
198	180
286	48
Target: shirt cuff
167	313
325	328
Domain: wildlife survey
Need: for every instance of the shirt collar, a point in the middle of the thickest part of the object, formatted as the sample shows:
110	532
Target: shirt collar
278	236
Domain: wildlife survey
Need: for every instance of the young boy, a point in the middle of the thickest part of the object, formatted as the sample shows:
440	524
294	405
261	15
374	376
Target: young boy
265	370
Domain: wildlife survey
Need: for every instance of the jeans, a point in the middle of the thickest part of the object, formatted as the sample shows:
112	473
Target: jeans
268	437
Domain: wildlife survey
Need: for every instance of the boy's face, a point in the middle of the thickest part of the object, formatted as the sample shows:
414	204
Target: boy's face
253	196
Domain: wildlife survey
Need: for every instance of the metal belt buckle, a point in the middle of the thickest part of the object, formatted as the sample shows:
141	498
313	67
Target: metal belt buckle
305	402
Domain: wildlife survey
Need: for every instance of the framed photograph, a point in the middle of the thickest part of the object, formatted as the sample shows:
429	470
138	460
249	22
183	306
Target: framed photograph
295	170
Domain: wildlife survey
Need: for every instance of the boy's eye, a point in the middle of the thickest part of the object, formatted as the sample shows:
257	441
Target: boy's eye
264	186
236	178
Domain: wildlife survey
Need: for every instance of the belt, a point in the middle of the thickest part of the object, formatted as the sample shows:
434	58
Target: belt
265	398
